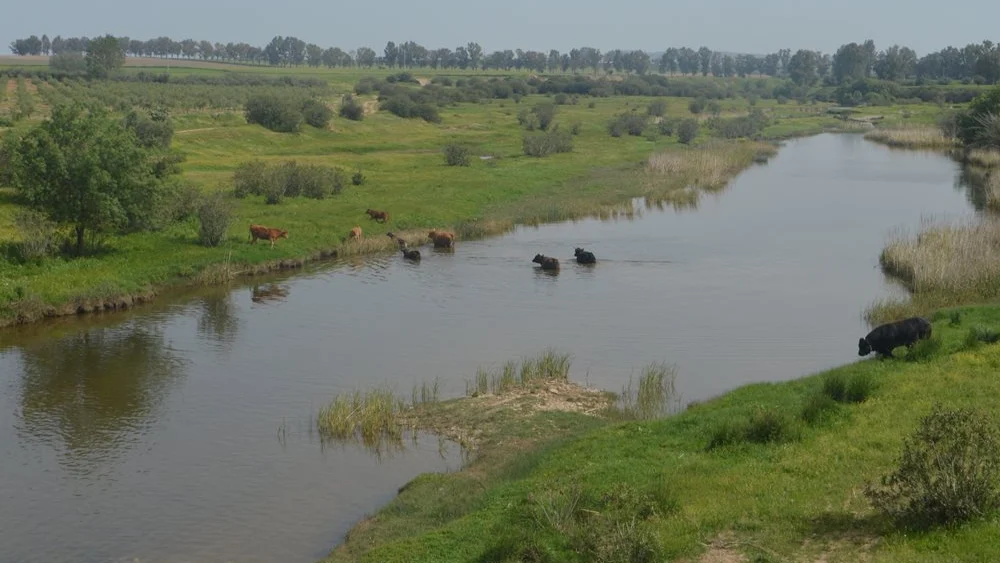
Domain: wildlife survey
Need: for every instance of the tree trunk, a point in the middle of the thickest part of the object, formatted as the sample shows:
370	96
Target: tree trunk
79	240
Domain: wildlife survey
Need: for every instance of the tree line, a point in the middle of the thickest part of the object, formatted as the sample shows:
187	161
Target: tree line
974	63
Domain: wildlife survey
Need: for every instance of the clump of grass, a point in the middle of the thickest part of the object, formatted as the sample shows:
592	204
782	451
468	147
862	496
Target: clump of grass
842	388
373	416
709	167
762	426
949	472
956	258
456	155
981	335
548	366
984	158
928	137
818	409
923	350
425	392
654	395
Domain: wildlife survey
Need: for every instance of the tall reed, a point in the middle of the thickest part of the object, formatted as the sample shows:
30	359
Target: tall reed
921	137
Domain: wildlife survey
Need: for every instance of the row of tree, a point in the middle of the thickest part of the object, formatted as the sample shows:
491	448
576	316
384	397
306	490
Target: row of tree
979	62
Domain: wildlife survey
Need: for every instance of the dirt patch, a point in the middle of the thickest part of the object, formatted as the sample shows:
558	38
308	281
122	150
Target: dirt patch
424	81
723	549
370	107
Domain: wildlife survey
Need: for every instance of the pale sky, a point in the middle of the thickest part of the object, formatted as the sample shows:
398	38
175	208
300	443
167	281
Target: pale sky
760	26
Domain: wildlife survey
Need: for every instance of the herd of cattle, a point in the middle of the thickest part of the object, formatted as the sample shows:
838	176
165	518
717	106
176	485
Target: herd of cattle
440	239
882	340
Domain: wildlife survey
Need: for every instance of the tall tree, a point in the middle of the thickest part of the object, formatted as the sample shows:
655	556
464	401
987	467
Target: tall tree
85	170
366	56
802	67
475	54
314	55
46	44
896	63
390	54
104	55
850	63
705	57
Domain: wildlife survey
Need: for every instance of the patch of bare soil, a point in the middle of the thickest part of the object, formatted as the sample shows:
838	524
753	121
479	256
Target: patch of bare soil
722	550
370	107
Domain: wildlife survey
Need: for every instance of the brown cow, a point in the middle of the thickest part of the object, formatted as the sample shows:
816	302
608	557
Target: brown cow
546	262
442	239
265	233
378	216
355	234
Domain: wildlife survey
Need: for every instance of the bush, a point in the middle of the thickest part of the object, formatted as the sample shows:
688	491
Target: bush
575	128
848	389
279	114
981	335
687	130
631	123
561	99
818	409
351	109
697	105
316	113
358	179
550	142
749	126
38	234
152	133
763	426
456	155
250	178
181	203
949	472
657	108
666	127
215	214
69	62
541	117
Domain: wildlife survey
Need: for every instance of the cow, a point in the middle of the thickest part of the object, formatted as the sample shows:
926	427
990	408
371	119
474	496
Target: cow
408	254
584	257
885	338
546	262
265	233
378	216
442	239
355	234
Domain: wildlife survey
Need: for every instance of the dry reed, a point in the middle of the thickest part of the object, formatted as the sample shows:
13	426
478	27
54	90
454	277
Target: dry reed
984	158
924	137
675	174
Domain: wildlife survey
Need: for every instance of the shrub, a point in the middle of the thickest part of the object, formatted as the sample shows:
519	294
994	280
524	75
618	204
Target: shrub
456	155
763	426
631	123
351	109
358	179
666	127
734	128
316	113
279	114
546	143
250	178
575	128
848	389
71	62
687	130
214	217
151	133
818	408
657	108
697	105
561	99
38	234
181	203
592	105
981	335
540	117
949	472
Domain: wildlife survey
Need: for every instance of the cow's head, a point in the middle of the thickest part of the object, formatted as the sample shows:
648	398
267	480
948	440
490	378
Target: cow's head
538	259
864	348
578	252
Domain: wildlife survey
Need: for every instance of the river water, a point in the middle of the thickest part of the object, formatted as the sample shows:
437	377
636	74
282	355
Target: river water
182	430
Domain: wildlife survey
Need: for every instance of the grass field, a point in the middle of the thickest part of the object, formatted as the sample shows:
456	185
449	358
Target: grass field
406	175
571	486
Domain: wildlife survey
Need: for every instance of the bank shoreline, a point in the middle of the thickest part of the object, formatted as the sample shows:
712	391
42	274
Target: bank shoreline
616	190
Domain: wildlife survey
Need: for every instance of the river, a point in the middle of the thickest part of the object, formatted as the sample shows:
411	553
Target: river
182	431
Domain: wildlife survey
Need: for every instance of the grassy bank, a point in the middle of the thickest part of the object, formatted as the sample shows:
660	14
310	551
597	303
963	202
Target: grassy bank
405	173
783	482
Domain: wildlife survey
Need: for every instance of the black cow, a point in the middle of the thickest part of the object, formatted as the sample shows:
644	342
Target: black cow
584	257
885	338
546	262
407	253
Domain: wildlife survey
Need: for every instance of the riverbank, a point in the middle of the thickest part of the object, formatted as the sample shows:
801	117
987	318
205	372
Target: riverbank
784	480
484	199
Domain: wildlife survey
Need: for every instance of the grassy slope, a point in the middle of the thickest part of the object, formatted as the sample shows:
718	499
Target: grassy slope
796	501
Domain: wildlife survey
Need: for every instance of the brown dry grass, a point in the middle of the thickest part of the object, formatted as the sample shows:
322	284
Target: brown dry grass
924	137
677	176
984	158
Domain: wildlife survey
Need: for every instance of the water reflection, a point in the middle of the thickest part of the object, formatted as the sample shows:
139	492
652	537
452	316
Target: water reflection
975	182
270	292
94	392
219	320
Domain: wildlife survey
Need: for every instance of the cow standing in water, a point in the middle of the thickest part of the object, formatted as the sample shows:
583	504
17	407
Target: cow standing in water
547	263
442	239
885	338
266	233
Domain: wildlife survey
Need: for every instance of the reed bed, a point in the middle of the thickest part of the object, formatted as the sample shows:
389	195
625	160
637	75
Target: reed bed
983	158
926	137
651	397
374	417
548	366
675	174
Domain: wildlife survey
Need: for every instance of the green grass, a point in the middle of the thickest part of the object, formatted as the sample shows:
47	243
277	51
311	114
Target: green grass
406	175
791	492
